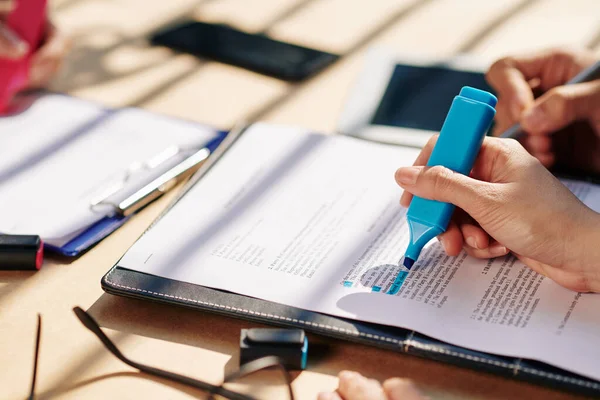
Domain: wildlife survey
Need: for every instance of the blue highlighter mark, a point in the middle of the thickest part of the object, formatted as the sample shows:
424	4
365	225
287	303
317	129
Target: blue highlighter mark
398	282
376	289
347	284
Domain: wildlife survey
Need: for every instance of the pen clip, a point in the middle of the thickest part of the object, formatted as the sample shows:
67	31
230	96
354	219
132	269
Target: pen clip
144	183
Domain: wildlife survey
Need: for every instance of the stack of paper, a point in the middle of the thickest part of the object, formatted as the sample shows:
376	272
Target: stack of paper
62	154
314	223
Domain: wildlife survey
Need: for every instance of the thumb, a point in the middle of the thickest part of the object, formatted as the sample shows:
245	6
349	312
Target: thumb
562	106
11	45
442	184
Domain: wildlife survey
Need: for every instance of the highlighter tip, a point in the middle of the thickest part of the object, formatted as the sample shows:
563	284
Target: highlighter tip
408	262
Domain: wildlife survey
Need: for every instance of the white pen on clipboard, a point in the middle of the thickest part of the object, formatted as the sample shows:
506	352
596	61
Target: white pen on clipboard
146	182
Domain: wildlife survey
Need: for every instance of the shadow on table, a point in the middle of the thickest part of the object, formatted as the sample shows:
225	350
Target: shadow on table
11	281
326	355
492	26
185	326
10	277
86	63
51	394
90	358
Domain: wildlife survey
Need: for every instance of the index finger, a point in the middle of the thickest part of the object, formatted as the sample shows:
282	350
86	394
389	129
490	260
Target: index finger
421	159
506	76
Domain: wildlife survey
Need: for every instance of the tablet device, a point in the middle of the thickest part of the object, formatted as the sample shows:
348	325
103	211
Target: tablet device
405	99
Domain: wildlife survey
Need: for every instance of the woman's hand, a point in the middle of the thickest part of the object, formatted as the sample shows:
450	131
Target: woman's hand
354	386
11	45
563	123
46	60
512	203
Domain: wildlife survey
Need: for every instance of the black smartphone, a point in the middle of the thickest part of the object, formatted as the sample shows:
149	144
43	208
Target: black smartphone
251	51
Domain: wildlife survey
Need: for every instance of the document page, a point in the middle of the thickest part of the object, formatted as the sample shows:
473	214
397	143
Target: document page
62	153
314	222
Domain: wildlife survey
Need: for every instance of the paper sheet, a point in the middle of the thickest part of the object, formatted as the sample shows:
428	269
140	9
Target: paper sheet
313	221
61	153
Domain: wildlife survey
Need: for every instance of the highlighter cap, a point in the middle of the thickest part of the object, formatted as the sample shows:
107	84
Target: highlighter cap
21	252
481	96
460	139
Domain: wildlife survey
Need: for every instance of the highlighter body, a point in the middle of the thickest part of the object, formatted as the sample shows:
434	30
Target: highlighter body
28	21
460	139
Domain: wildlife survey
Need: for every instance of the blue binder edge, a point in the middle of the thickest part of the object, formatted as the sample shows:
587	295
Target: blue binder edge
108	225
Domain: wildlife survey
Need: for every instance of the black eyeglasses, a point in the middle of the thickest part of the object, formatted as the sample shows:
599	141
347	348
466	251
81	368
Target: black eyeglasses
243	392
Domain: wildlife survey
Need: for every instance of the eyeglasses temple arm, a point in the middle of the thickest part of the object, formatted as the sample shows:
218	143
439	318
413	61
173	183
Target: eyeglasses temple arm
93	326
36	357
260	364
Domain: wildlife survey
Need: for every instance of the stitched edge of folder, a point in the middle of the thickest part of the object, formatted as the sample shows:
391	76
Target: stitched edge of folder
407	343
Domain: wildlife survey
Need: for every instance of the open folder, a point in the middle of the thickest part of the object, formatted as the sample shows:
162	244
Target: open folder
67	165
310	234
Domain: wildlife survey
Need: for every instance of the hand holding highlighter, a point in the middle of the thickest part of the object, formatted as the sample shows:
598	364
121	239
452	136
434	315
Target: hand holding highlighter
460	139
27	20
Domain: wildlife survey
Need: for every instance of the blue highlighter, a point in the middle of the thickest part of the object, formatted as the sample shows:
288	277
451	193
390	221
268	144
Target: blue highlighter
460	139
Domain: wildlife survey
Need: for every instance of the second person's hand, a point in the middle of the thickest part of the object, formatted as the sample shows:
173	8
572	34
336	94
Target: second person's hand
562	125
354	386
12	47
46	60
512	203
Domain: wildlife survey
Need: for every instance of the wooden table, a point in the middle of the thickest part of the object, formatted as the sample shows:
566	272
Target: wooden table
111	62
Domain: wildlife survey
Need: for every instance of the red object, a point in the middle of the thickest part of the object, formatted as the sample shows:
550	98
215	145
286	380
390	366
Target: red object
21	252
39	257
27	20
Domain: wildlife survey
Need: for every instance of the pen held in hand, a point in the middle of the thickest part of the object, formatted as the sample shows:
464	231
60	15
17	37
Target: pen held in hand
587	75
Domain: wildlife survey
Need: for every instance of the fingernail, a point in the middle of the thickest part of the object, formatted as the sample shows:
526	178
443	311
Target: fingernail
472	242
498	250
346	375
325	396
535	119
19	47
408	175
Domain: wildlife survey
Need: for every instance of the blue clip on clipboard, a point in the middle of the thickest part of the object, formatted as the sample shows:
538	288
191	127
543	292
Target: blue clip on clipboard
108	225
